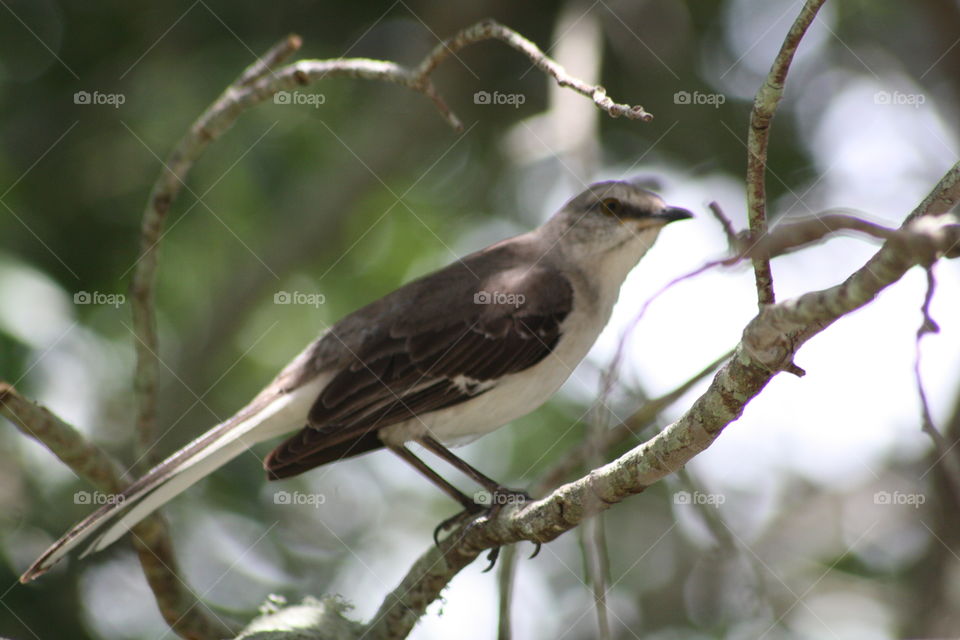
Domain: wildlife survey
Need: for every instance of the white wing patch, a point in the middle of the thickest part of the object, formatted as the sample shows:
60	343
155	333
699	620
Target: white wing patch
472	386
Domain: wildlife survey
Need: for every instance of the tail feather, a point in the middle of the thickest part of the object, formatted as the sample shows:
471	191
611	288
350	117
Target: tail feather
186	475
171	477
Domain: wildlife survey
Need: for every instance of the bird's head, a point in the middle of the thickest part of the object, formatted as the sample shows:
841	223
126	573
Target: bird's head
612	218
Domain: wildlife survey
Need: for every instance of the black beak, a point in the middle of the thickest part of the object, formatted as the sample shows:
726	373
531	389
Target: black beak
672	214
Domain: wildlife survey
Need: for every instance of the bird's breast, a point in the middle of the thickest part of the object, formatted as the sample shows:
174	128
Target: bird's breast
514	395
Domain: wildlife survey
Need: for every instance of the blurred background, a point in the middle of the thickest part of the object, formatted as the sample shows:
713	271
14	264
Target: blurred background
822	512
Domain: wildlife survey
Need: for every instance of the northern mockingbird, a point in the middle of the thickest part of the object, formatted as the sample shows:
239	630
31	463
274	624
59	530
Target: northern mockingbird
443	359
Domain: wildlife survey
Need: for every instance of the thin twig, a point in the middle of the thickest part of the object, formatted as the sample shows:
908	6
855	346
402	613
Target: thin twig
277	54
928	325
758	138
612	370
596	560
797	235
592	534
505	581
727	226
489	29
946	453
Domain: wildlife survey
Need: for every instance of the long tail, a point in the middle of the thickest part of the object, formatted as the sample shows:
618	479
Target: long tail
181	470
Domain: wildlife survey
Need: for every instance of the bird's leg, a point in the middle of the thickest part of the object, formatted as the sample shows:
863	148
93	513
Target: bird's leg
499	494
470	508
435	477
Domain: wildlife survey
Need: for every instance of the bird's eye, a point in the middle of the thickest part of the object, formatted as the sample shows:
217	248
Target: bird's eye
611	206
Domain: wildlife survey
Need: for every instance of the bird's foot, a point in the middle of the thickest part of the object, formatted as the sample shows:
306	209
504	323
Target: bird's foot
485	507
454	520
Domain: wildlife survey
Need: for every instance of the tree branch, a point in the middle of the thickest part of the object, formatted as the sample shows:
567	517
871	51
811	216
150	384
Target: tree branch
84	458
489	29
947	456
758	139
505	581
768	346
797	235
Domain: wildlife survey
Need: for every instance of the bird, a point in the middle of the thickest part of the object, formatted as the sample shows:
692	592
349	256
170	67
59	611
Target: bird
442	360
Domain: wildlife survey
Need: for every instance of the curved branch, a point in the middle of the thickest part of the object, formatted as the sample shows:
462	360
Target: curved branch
792	236
489	29
758	138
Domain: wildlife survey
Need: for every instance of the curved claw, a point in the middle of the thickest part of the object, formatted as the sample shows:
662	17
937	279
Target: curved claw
449	522
492	557
500	497
436	532
535	551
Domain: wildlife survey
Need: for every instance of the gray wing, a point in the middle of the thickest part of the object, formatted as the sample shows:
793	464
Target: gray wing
438	342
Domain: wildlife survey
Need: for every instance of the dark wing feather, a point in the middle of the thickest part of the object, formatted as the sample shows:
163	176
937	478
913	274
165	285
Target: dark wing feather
406	365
